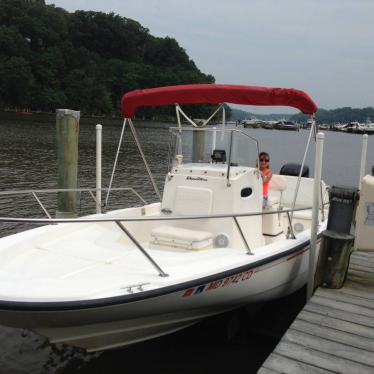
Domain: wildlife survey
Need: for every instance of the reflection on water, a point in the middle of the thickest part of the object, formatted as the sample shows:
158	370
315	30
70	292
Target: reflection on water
28	161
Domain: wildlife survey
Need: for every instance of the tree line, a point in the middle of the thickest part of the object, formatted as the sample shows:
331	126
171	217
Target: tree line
85	60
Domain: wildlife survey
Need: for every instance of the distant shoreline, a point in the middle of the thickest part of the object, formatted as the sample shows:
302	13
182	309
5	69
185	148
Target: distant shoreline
50	118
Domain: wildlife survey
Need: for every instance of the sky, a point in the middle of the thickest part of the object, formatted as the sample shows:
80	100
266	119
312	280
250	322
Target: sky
323	47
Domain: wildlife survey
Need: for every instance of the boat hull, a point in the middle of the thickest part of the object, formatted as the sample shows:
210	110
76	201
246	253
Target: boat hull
142	316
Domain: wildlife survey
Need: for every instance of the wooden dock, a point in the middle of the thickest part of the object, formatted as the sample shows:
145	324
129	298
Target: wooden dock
334	333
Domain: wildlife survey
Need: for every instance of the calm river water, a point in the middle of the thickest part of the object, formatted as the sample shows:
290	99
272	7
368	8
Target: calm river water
231	342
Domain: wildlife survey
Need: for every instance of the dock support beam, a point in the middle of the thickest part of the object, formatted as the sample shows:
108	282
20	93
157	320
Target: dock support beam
67	126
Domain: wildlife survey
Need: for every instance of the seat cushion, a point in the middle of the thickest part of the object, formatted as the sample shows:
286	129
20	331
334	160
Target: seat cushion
181	238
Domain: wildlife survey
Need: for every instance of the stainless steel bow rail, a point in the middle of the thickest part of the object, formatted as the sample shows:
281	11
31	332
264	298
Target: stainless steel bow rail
120	220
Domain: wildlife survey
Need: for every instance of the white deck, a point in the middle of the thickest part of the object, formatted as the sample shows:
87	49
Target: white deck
95	260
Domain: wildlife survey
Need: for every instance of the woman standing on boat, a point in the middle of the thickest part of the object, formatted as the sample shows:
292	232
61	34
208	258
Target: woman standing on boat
266	174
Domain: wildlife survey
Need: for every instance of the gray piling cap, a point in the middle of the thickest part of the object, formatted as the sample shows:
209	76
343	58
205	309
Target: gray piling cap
68	112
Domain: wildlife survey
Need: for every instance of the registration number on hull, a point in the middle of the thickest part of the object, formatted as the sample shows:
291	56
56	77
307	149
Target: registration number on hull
219	283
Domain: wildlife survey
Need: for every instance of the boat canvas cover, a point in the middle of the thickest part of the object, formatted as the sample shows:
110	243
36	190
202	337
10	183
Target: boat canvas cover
216	94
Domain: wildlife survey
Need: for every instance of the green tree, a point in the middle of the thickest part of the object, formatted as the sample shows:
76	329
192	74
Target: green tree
51	58
16	80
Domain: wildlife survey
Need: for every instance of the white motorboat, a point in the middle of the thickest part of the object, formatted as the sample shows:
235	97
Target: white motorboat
208	246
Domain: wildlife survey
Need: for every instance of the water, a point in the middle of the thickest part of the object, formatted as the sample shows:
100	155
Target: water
234	341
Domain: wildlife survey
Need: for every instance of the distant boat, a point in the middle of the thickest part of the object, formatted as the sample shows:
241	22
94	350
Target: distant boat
337	127
324	126
355	127
253	123
287	125
269	125
360	128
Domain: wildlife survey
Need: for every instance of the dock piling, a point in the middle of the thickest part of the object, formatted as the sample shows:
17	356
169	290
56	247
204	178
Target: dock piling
67	126
198	146
337	240
99	129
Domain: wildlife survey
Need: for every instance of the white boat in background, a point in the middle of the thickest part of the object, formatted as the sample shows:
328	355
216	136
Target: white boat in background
287	125
253	123
207	246
356	127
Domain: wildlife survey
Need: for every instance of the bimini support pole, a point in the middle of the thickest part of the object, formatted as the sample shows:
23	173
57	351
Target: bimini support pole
315	211
144	159
312	131
115	162
178	117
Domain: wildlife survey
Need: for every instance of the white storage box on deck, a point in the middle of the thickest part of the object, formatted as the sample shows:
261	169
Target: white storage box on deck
181	238
365	216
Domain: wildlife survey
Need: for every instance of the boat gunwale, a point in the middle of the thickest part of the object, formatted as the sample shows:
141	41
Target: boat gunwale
42	306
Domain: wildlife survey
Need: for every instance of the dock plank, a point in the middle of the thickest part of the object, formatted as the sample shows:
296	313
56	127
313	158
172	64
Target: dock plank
364	268
290	366
320	359
361	261
361	280
334	333
344	302
330	347
350	288
346	314
364	255
268	371
337	324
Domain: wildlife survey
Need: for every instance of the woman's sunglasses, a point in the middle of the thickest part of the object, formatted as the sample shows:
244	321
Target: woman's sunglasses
264	159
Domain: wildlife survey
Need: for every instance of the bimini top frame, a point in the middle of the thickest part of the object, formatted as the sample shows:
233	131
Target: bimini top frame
216	94
213	94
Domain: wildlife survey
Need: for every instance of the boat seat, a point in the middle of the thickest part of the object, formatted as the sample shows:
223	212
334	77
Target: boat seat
277	185
176	237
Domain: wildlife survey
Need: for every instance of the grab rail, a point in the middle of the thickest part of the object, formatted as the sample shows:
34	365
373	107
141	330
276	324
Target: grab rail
145	218
55	190
119	221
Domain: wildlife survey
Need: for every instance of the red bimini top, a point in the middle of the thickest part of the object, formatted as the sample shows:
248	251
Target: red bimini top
216	94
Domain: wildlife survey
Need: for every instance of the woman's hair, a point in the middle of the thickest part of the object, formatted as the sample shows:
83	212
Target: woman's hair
264	154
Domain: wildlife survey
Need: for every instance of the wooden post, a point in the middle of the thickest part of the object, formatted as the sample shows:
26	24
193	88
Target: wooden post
99	130
333	259
67	125
337	240
198	146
